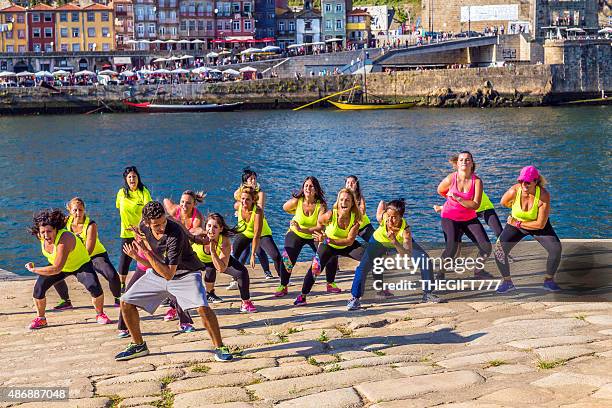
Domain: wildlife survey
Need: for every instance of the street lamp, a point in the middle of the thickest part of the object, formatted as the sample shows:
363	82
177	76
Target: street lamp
215	11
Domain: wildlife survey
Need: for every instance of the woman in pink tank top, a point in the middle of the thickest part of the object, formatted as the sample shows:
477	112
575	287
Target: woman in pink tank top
185	211
463	191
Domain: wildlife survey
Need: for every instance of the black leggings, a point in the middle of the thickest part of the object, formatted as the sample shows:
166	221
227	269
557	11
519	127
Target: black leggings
365	233
183	316
85	274
453	230
325	253
236	270
103	266
510	236
124	260
490	217
293	246
261	256
241	245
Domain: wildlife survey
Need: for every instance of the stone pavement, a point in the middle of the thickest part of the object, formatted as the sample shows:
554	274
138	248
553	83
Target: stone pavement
517	351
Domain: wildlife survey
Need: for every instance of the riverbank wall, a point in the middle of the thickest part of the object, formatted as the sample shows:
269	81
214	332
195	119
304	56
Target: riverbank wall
519	85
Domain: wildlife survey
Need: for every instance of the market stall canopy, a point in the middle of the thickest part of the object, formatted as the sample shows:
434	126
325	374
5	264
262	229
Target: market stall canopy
296	46
84	73
44	74
197	41
131	42
157	42
156	60
145	41
248	69
251	51
232	72
225	52
334	40
180	71
127	73
200	70
107	72
184	41
216	71
145	71
5	74
61	72
161	71
606	30
271	48
318	43
186	56
173	58
212	55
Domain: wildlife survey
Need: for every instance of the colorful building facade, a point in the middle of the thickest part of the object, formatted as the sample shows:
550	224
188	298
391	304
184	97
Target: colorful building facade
358	28
41	28
14	38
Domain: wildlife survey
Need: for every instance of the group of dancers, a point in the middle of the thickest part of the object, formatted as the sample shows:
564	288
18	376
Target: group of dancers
174	244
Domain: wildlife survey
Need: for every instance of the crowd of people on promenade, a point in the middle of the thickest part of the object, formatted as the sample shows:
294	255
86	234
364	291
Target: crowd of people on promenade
180	252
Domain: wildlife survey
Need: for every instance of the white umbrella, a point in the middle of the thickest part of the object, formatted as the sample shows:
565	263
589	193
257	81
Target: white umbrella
127	73
212	55
61	72
44	73
200	70
5	74
184	41
606	30
197	41
170	41
216	71
25	74
107	72
160	60
295	45
224	52
231	72
157	42
180	71
318	43
248	69
131	42
161	71
145	71
144	41
186	56
84	72
174	58
251	51
271	48
334	40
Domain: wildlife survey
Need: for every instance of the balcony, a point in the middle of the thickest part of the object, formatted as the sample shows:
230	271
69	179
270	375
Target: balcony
168	20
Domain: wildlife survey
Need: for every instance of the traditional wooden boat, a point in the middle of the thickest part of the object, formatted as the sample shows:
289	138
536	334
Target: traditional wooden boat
187	107
367	106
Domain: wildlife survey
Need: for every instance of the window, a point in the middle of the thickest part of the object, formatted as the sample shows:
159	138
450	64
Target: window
307	25
236	7
119	8
21	34
105	16
236	25
291	26
63	16
76	47
105	32
91	16
183	25
48	17
328	24
10	48
338	24
20	18
209	25
9	35
75	32
74	16
21	48
247	7
36	19
248	26
162	15
219	25
48	32
36	33
106	47
162	30
328	7
151	28
36	47
91	46
338	8
226	9
64	48
228	25
281	26
91	32
192	25
200	25
48	48
140	29
64	32
173	31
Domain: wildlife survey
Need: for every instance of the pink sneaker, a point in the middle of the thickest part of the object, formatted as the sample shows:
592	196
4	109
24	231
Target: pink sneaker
38	323
248	307
281	291
170	315
333	288
103	319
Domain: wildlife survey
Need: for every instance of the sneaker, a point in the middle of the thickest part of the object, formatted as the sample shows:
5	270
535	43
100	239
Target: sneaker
353	304
171	314
431	298
117	301
333	288
186	328
223	354
506	286
300	300
384	294
102	318
268	275
123	334
63	305
248	307
551	286
38	323
213	298
483	275
233	285
287	262
316	265
133	351
281	290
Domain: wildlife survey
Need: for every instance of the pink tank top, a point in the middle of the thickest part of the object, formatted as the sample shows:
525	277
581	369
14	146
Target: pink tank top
177	215
140	266
452	209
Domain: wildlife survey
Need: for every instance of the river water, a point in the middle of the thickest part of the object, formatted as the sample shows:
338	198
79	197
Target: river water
46	160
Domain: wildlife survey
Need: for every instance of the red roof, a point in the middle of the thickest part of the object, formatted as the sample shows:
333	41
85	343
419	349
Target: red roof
42	7
358	12
12	9
96	6
68	7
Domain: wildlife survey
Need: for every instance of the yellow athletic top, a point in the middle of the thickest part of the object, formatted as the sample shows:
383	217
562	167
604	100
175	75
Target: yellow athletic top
380	234
485	203
305	221
530	215
334	231
76	258
204	257
130	209
98	248
249	232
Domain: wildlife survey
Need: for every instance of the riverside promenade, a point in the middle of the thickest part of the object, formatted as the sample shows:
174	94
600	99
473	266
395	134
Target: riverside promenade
528	349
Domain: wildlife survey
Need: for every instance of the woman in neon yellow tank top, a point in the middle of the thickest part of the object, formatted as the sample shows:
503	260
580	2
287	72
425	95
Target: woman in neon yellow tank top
530	204
254	231
87	230
338	239
130	201
306	206
67	256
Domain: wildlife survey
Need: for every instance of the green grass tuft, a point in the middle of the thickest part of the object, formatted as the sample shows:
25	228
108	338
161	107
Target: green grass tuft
323	337
379	353
200	368
313	361
495	363
547	365
167	400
